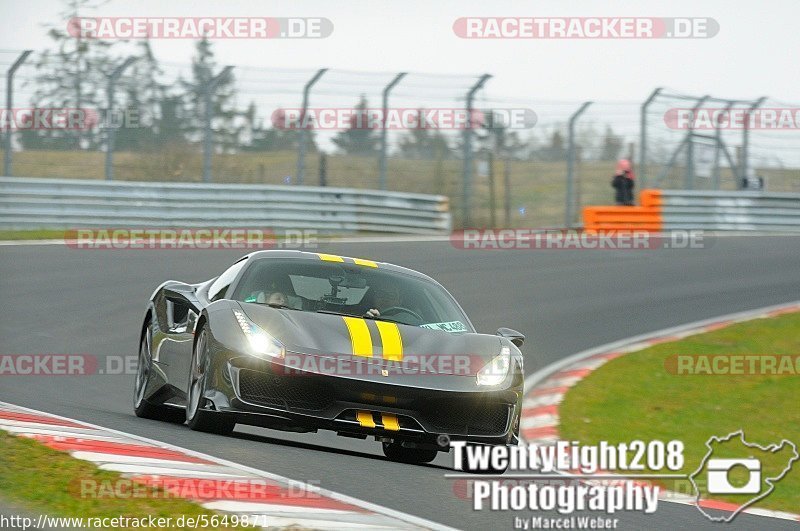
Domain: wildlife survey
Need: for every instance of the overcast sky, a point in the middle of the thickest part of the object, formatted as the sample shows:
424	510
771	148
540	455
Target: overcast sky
754	53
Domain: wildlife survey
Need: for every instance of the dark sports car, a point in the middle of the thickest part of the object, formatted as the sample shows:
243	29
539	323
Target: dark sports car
305	341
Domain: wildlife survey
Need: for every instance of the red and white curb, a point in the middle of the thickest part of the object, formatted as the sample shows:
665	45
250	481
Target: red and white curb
214	483
546	388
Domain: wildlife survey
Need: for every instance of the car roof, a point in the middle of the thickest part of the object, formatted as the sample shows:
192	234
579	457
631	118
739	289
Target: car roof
304	255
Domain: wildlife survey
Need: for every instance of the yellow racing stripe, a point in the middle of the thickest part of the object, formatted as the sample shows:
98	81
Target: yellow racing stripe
391	340
362	262
330	257
365	419
359	336
390	422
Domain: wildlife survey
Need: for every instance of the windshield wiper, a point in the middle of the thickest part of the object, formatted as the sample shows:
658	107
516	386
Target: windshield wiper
333	312
364	316
276	305
382	318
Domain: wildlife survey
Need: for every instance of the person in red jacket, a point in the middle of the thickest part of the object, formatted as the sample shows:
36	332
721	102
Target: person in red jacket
623	183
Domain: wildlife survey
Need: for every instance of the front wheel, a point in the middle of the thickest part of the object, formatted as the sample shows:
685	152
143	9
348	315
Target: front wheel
397	452
465	465
197	417
143	407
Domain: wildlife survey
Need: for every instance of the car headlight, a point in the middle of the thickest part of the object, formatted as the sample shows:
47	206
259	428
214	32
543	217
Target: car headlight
496	370
261	343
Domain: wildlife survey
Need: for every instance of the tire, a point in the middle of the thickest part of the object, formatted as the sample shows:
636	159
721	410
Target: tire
142	406
396	452
197	417
489	471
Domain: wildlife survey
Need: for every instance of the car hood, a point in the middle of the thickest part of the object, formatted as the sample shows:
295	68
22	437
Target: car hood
395	347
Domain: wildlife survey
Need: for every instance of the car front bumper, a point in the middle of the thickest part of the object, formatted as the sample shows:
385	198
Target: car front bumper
416	409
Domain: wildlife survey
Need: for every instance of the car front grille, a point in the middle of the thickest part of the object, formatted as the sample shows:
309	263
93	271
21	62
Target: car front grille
456	417
284	392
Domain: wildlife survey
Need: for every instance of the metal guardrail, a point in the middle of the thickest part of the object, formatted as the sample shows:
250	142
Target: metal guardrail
28	203
735	210
707	210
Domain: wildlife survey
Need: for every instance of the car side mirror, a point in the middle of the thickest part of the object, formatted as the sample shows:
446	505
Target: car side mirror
512	335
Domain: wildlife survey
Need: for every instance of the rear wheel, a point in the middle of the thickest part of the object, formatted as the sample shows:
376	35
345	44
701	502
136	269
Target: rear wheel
397	452
143	407
199	418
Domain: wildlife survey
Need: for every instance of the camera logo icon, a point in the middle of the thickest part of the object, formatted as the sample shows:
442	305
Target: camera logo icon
719	476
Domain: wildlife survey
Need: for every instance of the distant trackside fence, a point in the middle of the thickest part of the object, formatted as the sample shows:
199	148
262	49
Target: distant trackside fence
27	203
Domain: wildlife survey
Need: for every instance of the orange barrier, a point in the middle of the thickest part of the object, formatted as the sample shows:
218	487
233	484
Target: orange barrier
650	198
646	217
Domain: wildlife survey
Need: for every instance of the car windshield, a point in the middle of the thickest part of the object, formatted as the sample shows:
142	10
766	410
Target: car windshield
350	289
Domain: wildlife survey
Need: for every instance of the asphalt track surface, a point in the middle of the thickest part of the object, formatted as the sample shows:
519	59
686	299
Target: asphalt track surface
61	300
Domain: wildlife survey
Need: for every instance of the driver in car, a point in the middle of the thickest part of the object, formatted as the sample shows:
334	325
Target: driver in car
385	297
278	298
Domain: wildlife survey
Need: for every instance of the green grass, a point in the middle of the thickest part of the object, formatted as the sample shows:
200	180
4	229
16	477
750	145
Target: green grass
36	234
636	397
47	481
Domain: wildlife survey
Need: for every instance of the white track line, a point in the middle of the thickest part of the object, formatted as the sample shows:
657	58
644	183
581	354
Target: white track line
397	516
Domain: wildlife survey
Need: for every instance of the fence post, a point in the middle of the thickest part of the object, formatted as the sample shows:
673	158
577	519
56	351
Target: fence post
715	178
466	207
569	214
207	132
10	110
507	198
688	178
301	145
492	200
111	130
323	169
643	137
745	166
382	161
